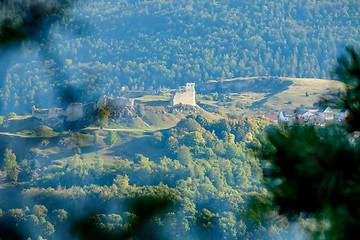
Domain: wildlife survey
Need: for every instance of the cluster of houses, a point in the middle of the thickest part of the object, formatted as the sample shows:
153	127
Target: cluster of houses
317	117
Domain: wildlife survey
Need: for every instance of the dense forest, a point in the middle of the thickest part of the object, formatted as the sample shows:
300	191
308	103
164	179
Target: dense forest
208	174
100	46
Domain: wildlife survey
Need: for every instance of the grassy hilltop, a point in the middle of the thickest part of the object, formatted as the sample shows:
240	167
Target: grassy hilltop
265	94
254	96
203	162
134	127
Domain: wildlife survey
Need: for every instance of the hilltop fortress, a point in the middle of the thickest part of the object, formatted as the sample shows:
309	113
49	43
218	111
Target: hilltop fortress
78	111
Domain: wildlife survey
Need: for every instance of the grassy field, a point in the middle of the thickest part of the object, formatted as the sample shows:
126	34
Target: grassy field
301	91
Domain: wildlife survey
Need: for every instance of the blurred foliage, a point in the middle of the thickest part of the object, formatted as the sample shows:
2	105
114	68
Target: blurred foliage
140	226
102	117
348	71
29	20
314	171
26	23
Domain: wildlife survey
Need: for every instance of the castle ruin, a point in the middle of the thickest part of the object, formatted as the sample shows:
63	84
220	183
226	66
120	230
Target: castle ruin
187	97
76	111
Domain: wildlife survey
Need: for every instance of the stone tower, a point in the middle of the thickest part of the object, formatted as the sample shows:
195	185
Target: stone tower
187	97
190	87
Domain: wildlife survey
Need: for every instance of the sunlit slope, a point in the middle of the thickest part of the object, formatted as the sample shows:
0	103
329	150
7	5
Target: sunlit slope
28	136
266	94
150	117
303	91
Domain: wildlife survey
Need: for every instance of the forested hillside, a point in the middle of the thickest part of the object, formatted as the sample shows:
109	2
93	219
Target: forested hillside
206	169
103	45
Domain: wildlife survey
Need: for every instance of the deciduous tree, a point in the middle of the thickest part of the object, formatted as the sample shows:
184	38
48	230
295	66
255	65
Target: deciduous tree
111	138
10	166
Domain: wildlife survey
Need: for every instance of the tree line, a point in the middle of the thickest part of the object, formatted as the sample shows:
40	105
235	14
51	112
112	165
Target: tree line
106	45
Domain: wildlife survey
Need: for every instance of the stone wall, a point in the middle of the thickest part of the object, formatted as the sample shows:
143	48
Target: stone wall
45	114
77	111
120	101
101	102
187	97
74	112
89	108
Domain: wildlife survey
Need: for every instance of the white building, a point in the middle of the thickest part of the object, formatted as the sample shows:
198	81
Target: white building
287	116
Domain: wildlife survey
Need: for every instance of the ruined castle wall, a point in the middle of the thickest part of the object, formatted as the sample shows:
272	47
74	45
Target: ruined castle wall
45	114
101	102
74	112
40	114
89	108
234	85
56	113
187	97
120	101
